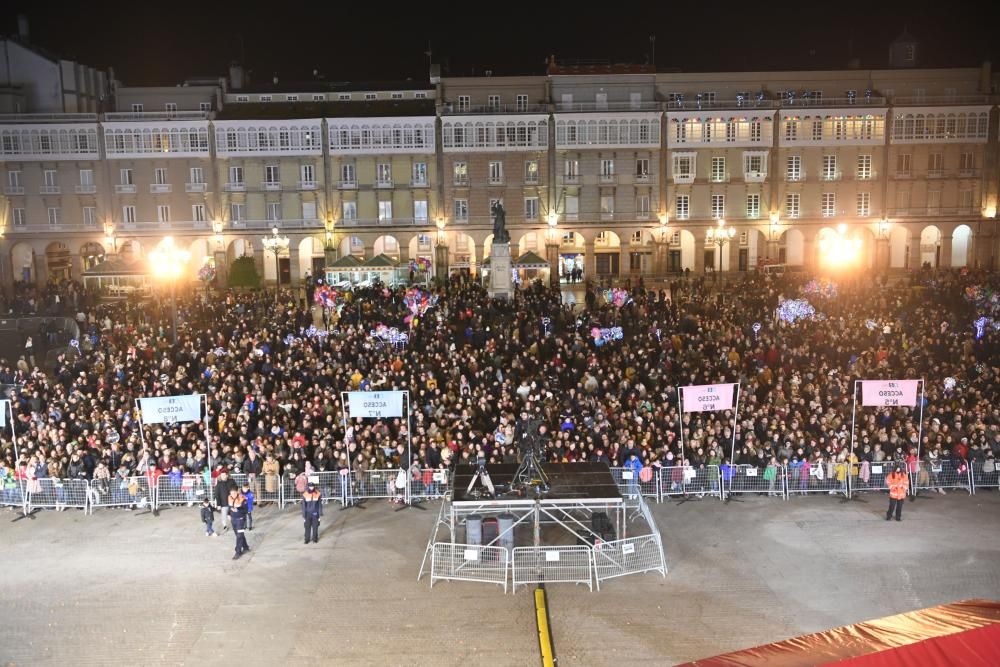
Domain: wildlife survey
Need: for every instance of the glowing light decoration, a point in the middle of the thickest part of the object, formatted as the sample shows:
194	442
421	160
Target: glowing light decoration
617	297
871	324
602	336
417	302
390	336
756	329
546	325
981	325
326	296
949	384
839	251
820	287
793	310
75	344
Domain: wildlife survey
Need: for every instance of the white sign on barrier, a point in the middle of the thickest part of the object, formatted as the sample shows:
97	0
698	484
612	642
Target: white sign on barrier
751	472
876	470
627	474
708	397
3	413
551	556
471	554
889	393
628	548
375	404
170	409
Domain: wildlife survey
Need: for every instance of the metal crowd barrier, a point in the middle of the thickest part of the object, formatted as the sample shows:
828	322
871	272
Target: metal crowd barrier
555	564
429	484
941	475
984	474
767	480
58	494
379	484
826	477
631	555
469	562
633	484
187	490
685	481
122	492
869	476
12	494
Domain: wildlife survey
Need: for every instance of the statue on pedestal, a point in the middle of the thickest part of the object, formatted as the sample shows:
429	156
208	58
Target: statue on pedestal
500	234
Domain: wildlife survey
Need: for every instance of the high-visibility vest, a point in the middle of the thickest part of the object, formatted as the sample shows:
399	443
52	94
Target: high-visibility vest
898	484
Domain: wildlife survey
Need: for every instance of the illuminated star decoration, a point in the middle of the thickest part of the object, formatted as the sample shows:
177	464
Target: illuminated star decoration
871	324
756	329
949	384
75	344
546	325
602	336
795	309
617	296
390	336
981	325
819	287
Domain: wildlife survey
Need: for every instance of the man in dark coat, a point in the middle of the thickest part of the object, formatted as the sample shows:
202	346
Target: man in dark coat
312	510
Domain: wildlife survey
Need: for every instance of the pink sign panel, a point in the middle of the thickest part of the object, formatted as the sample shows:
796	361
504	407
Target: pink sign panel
889	393
708	397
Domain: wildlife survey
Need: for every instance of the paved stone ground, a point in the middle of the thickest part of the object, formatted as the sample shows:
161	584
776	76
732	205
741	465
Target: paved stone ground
121	588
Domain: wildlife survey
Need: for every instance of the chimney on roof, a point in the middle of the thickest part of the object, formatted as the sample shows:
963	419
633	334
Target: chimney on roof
22	28
237	78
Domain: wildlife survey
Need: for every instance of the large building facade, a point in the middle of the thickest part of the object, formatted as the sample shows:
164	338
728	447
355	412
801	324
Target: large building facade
620	172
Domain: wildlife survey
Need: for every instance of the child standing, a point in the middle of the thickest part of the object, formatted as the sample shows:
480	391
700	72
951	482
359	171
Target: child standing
207	518
248	494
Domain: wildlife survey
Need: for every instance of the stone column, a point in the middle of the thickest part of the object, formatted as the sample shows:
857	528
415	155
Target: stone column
589	261
945	252
552	257
699	255
294	274
915	252
441	262
76	267
734	253
479	250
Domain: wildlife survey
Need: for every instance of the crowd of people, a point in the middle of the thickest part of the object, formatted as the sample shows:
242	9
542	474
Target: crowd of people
476	367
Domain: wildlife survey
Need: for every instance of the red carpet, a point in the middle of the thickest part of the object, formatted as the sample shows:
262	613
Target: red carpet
963	633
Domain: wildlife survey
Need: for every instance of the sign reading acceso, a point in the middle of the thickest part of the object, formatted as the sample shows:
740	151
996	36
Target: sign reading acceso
375	404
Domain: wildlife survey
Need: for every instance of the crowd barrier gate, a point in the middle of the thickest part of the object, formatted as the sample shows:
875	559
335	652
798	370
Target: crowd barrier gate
769	480
681	481
984	474
940	475
469	562
823	477
56	493
122	492
553	564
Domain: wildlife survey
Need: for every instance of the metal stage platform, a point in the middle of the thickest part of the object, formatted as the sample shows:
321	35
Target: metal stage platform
565	527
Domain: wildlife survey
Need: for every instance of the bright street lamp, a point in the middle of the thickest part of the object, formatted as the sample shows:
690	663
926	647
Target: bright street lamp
720	237
168	262
276	244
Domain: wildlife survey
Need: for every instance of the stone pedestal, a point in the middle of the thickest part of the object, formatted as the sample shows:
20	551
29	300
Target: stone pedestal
441	263
501	286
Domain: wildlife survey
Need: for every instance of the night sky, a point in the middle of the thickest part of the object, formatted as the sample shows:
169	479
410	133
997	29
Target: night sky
161	43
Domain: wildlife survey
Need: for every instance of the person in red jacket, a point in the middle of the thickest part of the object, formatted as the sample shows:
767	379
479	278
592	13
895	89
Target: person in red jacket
899	483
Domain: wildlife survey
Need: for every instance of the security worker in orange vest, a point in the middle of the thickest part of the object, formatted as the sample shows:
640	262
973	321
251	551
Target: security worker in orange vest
899	483
312	510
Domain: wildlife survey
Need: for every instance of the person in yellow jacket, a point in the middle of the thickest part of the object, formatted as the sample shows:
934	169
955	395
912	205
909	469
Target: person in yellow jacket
899	483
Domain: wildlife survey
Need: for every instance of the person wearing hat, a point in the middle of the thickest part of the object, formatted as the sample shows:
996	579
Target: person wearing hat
238	515
312	510
899	483
224	485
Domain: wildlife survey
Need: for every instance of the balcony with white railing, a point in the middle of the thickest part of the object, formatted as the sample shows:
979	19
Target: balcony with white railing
531	180
935	173
383	183
642	178
461	182
607	179
755	176
195	187
48	118
160	188
681	178
347	185
13	190
418	182
49	190
940	100
870	176
85	189
235	186
451	109
693	104
645	105
495	180
968	173
795	178
307	185
642	215
719	178
124	188
607	215
156	115
271	186
571	217
830	176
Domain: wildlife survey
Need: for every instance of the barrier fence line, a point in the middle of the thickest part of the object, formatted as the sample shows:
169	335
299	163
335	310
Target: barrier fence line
552	564
429	484
828	477
469	562
631	555
122	492
12	494
769	480
56	493
181	490
869	476
984	474
945	474
686	481
633	483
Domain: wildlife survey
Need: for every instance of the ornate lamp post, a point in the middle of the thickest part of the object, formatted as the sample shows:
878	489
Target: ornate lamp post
720	236
276	244
168	262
